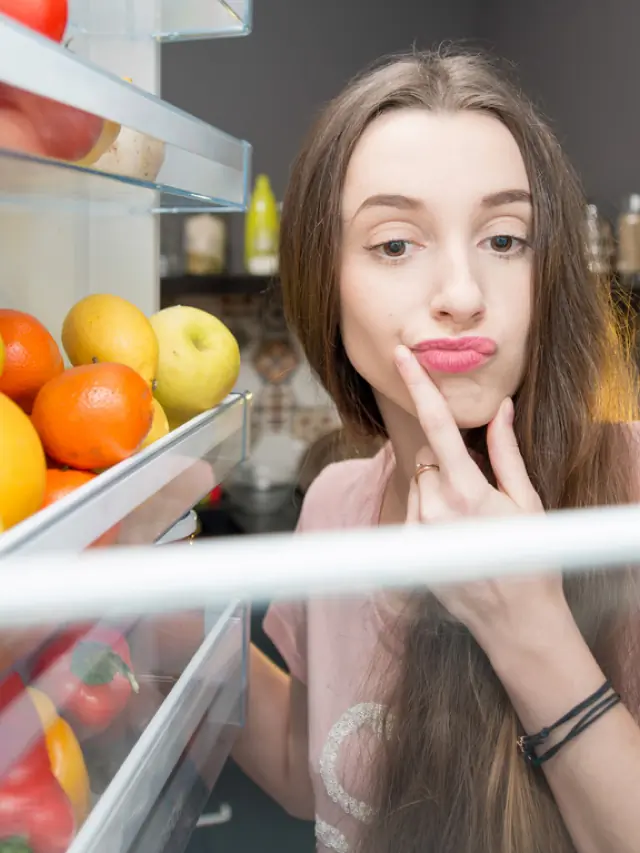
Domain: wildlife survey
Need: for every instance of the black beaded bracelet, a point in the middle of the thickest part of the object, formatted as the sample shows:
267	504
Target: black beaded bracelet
594	707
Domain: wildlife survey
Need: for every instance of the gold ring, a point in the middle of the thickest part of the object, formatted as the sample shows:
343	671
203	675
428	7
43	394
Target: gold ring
421	468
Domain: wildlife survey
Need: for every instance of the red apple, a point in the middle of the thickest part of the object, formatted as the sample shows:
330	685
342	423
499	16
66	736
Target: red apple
64	132
17	133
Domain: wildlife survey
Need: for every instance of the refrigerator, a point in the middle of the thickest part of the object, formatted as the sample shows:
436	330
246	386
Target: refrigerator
155	627
137	775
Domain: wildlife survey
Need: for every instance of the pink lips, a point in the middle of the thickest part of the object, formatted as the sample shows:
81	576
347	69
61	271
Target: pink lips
454	355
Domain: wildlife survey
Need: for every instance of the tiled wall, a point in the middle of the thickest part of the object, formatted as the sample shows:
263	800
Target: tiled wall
290	408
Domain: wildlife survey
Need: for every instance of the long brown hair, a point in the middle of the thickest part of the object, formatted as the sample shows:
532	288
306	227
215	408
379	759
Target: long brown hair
450	779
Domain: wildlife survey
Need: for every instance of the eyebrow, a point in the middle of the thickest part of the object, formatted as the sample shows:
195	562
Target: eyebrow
400	202
504	197
403	202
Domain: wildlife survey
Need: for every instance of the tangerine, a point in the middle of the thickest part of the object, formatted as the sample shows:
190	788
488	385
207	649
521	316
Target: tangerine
23	468
93	416
60	483
31	357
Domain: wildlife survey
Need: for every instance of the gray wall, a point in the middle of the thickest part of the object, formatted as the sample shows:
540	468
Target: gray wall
267	87
580	59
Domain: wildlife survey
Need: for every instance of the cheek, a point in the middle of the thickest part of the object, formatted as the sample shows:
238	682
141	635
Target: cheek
519	320
510	315
368	320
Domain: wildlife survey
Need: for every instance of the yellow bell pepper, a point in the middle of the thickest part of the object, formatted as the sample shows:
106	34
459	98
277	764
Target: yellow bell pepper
65	755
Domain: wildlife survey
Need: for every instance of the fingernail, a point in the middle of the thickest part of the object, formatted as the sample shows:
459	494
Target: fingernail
402	355
508	410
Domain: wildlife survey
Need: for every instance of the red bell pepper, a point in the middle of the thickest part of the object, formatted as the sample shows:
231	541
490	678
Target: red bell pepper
35	814
88	674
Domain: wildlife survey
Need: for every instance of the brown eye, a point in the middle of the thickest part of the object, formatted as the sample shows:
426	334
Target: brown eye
502	243
394	248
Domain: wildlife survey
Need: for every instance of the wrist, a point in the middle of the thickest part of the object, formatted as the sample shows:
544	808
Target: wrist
532	635
547	672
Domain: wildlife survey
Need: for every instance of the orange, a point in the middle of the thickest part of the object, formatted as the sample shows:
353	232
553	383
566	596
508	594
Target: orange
31	357
60	483
22	465
93	416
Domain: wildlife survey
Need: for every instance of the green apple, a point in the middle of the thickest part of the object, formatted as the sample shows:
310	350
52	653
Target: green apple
198	364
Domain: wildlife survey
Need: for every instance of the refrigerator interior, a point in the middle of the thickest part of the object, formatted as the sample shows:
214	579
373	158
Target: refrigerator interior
171	698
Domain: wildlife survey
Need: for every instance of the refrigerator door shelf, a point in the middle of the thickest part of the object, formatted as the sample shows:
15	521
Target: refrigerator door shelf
158	158
181	749
139	500
164	20
152	763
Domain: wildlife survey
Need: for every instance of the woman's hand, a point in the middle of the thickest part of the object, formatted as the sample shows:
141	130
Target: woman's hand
494	610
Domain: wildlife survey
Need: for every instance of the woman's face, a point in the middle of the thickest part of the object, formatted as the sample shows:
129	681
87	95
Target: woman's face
435	255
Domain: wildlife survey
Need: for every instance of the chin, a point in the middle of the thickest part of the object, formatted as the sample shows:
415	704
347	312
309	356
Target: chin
471	420
466	414
471	405
471	411
471	415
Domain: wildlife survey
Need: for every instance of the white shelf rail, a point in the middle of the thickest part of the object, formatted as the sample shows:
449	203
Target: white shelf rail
126	582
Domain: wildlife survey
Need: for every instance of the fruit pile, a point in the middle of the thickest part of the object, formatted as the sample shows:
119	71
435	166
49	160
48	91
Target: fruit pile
132	379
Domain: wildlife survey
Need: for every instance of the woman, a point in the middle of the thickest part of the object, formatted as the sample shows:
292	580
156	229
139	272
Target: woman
433	266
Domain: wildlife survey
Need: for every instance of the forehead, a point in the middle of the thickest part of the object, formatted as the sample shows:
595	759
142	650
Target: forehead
445	159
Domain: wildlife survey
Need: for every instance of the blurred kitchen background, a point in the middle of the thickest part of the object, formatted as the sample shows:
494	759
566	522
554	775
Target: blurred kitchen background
576	58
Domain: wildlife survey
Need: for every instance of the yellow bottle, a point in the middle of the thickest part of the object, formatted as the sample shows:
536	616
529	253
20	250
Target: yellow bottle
262	226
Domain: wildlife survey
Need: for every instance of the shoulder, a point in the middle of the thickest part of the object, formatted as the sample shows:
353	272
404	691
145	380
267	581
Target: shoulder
340	478
345	494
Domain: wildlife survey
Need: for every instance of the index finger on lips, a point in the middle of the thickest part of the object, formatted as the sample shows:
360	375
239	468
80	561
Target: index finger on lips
435	418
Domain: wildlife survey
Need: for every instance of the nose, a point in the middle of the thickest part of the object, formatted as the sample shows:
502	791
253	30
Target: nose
458	297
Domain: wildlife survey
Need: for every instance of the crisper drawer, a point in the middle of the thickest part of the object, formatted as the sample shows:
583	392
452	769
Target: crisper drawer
153	764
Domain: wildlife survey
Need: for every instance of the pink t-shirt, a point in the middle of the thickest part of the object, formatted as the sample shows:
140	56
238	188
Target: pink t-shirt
329	644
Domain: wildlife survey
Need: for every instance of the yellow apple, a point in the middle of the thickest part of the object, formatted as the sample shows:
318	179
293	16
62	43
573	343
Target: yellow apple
159	425
199	361
104	327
